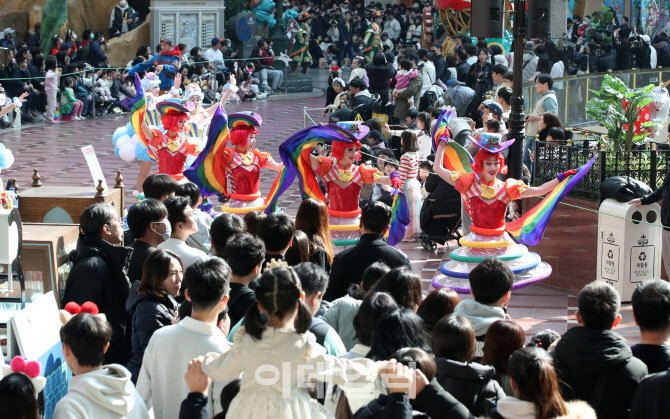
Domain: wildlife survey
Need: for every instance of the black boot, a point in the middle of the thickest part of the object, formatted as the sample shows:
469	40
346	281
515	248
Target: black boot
305	66
294	67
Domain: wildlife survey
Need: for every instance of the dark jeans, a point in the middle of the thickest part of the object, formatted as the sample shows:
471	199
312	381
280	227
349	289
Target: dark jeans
345	51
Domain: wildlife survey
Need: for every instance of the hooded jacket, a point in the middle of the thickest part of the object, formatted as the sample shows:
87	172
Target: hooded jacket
100	275
459	96
102	394
597	366
148	313
472	384
480	315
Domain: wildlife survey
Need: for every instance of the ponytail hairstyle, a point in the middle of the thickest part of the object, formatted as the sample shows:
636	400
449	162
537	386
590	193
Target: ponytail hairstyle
478	165
278	292
536	382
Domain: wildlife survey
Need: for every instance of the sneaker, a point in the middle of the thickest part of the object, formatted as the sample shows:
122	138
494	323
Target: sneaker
262	95
52	121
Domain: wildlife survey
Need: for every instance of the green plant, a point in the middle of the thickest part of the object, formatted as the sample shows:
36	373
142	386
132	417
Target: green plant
617	108
600	23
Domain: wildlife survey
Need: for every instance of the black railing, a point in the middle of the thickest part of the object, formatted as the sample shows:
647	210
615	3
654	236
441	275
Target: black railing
648	165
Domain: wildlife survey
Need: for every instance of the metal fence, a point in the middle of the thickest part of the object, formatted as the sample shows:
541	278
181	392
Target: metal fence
648	165
573	92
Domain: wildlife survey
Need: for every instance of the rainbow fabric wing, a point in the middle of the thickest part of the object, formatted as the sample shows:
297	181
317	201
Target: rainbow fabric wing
399	220
294	153
129	102
208	171
441	128
530	228
457	159
136	118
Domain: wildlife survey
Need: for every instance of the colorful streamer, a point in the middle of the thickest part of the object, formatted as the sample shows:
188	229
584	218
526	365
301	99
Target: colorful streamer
530	228
208	171
294	153
136	118
442	126
399	219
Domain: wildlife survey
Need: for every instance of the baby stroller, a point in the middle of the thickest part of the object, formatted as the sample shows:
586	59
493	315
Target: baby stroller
437	228
439	220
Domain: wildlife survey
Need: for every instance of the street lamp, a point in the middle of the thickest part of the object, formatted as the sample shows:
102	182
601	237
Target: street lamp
517	118
279	39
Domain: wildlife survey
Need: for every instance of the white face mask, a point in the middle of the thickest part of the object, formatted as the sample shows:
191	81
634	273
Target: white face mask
123	4
168	230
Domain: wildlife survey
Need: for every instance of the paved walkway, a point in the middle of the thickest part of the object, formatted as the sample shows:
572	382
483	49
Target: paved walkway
55	151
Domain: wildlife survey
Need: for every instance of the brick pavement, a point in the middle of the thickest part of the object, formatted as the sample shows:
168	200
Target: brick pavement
55	151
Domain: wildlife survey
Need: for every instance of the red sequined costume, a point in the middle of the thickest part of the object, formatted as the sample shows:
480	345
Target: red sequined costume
243	170
487	203
345	197
171	153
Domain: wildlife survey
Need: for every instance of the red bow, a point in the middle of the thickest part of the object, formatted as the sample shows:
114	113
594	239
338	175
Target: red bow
334	68
32	369
88	307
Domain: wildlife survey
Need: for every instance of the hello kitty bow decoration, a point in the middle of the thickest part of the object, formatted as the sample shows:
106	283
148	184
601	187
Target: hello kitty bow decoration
73	308
30	369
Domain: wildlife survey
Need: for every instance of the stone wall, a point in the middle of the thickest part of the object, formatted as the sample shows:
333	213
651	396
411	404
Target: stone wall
122	49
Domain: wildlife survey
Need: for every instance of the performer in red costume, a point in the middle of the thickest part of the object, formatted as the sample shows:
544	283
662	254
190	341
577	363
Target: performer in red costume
173	146
243	164
344	180
486	195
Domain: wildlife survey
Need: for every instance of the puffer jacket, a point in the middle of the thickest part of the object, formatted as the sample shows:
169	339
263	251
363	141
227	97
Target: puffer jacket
148	313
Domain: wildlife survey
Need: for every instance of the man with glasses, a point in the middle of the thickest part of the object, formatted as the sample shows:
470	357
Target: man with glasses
99	274
148	223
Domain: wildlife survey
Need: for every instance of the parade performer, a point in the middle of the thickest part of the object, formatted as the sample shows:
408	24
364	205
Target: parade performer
299	53
342	177
173	146
126	139
168	60
486	198
233	171
373	38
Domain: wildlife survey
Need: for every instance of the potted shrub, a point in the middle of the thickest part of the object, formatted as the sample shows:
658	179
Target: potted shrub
617	108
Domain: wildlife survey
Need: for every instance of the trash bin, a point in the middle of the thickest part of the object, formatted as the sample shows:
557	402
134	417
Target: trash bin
629	245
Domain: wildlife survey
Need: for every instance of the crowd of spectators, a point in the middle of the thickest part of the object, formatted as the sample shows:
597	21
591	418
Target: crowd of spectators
256	304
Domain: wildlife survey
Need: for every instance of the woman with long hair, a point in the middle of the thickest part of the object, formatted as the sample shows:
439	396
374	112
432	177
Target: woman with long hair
536	391
298	252
312	219
152	305
502	338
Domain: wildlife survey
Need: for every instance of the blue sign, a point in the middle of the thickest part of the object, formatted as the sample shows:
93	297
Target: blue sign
242	30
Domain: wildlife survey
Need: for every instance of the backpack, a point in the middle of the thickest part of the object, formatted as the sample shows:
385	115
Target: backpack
427	101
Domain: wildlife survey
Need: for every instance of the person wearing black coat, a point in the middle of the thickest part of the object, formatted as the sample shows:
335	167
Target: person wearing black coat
148	313
346	29
587	59
597	366
606	61
651	399
380	73
472	384
624	56
349	265
433	400
99	275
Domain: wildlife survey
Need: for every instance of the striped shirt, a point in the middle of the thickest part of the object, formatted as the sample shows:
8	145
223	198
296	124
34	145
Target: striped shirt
409	167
